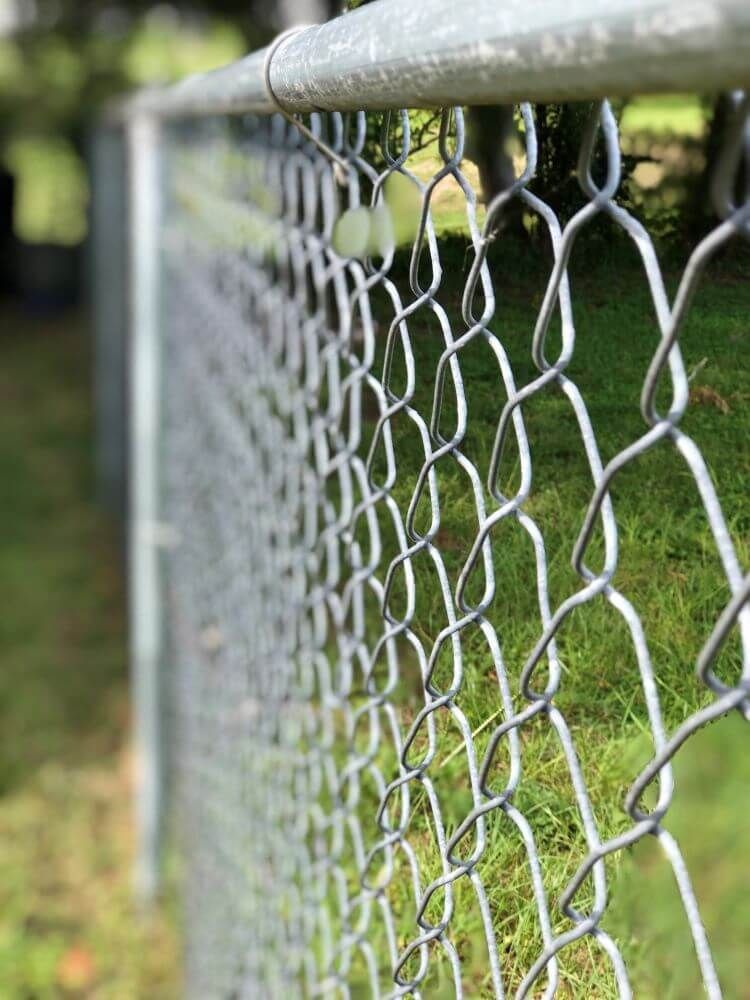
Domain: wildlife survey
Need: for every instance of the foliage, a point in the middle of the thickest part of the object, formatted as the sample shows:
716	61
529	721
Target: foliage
560	130
56	78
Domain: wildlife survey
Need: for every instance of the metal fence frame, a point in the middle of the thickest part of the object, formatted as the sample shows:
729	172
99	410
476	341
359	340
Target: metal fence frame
108	280
503	53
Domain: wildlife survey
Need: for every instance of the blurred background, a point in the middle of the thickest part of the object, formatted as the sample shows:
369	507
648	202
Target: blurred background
68	926
67	920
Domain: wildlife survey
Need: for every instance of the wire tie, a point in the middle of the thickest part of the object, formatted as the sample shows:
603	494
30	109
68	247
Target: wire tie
340	165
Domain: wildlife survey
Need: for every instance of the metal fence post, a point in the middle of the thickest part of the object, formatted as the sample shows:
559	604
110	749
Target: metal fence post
144	596
108	268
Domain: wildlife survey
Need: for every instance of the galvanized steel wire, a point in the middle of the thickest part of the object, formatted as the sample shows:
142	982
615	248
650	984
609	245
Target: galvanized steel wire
295	770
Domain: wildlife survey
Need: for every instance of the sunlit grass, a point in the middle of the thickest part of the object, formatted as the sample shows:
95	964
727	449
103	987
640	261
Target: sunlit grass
665	114
668	569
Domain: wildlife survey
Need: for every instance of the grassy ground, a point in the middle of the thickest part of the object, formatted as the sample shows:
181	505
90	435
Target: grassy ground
668	569
67	923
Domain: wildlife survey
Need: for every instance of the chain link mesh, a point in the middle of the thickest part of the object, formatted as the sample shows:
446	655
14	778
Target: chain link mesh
358	679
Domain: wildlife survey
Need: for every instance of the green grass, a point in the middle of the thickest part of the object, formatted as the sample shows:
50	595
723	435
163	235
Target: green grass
68	927
668	569
67	923
665	114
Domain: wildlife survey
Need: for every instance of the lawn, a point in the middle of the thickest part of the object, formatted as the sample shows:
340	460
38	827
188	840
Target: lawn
668	569
68	927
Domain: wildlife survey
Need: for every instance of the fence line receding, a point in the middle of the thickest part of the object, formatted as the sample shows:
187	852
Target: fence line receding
438	563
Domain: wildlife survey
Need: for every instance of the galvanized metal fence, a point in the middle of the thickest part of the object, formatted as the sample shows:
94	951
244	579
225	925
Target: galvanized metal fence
349	655
109	296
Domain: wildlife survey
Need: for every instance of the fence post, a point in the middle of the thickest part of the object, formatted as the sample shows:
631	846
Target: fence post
144	596
109	299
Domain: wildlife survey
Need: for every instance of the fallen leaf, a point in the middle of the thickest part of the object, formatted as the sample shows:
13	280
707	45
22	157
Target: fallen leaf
704	395
75	970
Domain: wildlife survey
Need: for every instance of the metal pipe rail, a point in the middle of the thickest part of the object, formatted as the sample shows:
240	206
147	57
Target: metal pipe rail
434	53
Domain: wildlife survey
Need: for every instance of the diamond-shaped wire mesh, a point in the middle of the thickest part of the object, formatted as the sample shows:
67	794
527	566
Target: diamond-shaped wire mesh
375	738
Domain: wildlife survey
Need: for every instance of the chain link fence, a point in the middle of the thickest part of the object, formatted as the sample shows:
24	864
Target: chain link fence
408	750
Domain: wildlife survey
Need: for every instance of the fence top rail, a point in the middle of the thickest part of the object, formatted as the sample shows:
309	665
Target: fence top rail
434	53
